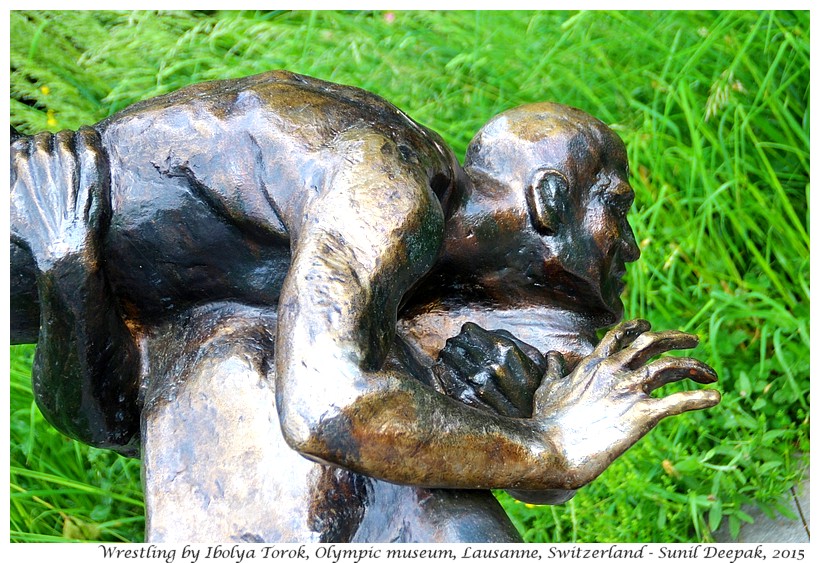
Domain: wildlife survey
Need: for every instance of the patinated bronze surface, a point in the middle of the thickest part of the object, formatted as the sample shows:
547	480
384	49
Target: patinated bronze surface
315	325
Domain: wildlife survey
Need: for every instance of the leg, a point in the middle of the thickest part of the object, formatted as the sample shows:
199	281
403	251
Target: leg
215	466
397	513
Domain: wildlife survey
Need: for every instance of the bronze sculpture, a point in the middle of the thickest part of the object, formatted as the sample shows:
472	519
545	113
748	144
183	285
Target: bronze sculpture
191	257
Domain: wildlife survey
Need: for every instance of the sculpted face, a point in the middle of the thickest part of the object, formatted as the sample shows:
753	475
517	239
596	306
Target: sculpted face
546	219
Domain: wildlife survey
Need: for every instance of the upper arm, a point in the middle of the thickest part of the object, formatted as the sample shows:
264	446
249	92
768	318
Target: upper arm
363	243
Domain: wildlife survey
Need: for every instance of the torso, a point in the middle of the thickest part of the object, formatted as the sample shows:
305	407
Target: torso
210	184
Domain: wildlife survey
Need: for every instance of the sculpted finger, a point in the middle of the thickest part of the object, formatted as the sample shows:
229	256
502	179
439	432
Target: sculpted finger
556	366
474	343
521	375
451	383
460	351
650	344
481	390
93	177
502	332
621	336
64	169
556	370
37	169
20	178
54	171
490	396
514	392
31	204
477	386
669	369
531	351
682	402
20	150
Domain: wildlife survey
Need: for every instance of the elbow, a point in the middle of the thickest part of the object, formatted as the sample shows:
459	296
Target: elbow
316	426
299	428
318	396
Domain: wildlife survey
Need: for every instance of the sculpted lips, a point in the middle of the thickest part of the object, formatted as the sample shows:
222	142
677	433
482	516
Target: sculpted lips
617	273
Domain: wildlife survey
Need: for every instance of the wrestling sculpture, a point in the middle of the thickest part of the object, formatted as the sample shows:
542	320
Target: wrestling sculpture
313	324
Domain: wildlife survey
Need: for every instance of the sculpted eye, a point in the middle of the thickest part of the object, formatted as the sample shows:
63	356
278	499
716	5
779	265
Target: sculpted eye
617	195
602	188
620	202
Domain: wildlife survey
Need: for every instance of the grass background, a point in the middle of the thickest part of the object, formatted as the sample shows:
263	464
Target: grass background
714	109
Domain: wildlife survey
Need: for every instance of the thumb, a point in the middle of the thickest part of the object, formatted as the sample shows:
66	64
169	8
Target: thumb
556	366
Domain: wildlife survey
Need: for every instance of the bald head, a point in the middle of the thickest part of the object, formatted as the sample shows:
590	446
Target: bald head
512	145
546	216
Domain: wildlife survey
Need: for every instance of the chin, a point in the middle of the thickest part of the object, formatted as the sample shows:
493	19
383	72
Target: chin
599	303
612	310
604	310
613	315
606	317
609	292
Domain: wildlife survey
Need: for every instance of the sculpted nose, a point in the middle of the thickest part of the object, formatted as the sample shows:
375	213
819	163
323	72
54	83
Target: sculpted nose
623	196
630	251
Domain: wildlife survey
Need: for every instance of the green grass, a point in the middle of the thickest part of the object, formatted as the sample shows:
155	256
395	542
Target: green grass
714	110
61	489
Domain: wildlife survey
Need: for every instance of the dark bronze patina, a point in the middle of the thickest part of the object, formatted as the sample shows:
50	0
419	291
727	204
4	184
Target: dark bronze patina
315	325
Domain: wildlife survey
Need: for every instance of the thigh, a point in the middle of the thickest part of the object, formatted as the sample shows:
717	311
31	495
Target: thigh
216	468
398	513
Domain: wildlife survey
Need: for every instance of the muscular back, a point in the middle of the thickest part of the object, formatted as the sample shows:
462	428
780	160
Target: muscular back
201	196
210	185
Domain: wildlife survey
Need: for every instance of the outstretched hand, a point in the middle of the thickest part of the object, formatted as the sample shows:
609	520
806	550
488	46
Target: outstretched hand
604	405
592	414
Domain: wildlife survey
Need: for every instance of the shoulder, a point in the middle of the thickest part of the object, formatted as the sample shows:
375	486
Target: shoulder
305	109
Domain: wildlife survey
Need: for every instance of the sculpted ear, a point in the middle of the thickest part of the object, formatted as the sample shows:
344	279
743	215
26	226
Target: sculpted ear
546	199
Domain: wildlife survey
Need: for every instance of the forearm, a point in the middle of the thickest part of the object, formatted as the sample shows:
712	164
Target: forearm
382	424
86	362
24	304
364	242
389	426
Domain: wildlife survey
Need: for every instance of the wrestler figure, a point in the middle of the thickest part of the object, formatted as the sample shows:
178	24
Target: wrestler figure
191	257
